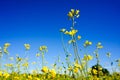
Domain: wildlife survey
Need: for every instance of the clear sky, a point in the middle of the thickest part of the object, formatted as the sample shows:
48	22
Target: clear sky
38	22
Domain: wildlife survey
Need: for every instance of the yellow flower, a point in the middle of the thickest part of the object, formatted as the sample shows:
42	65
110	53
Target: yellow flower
1	73
73	32
16	78
72	11
87	43
43	48
37	78
77	12
99	46
27	46
38	54
66	32
70	14
19	59
87	57
75	70
6	75
53	73
77	65
9	65
79	37
30	77
5	50
6	44
94	71
40	48
25	64
45	69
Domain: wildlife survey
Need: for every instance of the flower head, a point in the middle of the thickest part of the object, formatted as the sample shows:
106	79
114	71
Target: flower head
77	12
5	50
27	46
70	14
6	75
53	73
79	37
43	48
73	13
6	44
87	43
66	32
75	70
73	32
45	69
87	57
94	71
38	54
99	46
25	64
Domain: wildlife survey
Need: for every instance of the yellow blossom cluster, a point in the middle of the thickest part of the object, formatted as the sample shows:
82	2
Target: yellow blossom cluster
18	59
52	73
45	69
27	46
73	13
6	45
25	64
9	65
87	43
94	71
1	73
99	46
71	33
77	67
43	48
38	54
87	57
6	75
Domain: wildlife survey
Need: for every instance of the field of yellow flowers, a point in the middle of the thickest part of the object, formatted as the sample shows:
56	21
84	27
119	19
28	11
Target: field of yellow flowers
76	70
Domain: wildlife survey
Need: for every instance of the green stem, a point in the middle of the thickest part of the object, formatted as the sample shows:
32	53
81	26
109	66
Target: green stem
65	50
75	47
42	59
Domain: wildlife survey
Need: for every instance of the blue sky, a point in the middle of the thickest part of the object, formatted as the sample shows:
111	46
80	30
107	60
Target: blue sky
38	22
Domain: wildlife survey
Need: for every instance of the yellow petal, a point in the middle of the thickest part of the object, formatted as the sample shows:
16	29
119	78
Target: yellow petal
79	37
72	11
77	12
70	14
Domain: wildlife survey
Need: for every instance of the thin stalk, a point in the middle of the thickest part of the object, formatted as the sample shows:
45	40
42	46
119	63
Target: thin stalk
75	47
65	50
42	59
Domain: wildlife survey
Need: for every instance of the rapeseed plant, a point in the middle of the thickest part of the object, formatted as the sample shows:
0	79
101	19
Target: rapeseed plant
76	70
